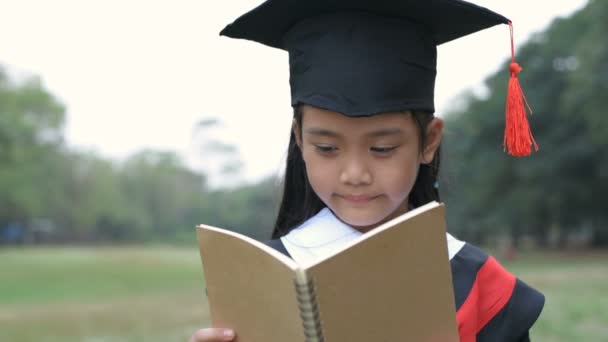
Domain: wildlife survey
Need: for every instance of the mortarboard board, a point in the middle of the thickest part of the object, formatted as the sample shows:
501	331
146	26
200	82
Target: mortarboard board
364	57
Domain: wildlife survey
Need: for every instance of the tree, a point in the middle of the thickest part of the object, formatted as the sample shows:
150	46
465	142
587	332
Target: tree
565	78
31	141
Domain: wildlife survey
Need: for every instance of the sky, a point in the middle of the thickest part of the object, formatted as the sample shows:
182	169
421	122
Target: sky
137	74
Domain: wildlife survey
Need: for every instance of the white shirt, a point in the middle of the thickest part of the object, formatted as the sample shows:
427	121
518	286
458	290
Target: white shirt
324	234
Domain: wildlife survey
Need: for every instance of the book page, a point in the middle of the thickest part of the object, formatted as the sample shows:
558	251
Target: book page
393	285
250	287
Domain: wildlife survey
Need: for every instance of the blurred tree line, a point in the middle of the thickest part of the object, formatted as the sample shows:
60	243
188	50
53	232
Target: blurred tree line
50	193
557	194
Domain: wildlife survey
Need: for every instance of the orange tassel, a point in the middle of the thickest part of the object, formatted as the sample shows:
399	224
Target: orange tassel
518	138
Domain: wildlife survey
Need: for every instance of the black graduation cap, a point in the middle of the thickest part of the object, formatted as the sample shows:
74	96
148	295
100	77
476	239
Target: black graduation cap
362	57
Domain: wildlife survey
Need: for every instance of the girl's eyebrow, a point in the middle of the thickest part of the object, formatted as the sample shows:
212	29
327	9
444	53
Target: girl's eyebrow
385	131
321	132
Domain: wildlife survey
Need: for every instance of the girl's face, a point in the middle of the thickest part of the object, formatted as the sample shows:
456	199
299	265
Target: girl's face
363	169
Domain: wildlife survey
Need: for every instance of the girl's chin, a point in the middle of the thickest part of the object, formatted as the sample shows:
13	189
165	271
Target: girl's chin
365	219
360	221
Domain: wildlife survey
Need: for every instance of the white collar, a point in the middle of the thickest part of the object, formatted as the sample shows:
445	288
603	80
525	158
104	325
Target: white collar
324	234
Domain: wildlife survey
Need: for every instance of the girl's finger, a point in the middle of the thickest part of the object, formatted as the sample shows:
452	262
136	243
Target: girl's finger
212	335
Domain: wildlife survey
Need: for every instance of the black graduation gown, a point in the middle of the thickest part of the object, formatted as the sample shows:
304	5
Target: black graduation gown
492	304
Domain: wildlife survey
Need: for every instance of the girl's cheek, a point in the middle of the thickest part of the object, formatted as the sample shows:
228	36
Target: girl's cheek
321	175
323	179
402	176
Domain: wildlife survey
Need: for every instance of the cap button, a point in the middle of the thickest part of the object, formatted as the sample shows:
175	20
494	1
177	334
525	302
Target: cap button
515	68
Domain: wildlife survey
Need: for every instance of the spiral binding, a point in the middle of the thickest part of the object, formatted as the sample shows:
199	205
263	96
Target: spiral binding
309	310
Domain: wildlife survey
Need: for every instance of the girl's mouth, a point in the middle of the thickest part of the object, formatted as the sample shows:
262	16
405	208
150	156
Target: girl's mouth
358	198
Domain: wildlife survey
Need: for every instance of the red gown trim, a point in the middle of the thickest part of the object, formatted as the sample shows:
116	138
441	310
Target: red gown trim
491	291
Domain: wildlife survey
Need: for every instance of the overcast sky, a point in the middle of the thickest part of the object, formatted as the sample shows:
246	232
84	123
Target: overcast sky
140	74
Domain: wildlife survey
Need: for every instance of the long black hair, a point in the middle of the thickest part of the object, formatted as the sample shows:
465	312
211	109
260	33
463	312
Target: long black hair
300	202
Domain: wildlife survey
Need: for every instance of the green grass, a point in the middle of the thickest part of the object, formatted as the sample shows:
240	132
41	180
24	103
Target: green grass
100	294
576	291
157	294
43	276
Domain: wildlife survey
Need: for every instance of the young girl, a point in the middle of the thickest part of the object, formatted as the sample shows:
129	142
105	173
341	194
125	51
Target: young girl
365	144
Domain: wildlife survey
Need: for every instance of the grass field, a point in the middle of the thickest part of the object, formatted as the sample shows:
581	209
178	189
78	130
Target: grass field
157	294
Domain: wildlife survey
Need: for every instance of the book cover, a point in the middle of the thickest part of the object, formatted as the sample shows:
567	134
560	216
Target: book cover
391	284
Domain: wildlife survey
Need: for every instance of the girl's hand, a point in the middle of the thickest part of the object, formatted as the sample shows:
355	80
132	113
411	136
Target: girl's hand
213	335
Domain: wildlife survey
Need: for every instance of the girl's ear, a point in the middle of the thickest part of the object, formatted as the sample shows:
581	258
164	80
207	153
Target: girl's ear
296	131
434	132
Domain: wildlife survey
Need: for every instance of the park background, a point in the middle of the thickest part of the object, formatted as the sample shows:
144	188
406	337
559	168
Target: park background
95	248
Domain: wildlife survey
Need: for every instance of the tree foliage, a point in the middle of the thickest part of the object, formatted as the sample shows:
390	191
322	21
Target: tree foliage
560	188
54	193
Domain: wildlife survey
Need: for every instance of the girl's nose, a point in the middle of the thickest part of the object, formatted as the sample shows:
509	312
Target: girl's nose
355	173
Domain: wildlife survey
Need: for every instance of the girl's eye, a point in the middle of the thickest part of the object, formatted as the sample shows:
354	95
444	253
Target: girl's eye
383	150
326	149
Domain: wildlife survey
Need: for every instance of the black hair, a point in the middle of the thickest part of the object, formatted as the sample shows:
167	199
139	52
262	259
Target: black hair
300	202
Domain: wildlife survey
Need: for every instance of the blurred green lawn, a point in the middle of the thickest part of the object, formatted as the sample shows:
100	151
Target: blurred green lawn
157	294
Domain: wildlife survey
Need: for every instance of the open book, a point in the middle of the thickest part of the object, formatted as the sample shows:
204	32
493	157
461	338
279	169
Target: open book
392	284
